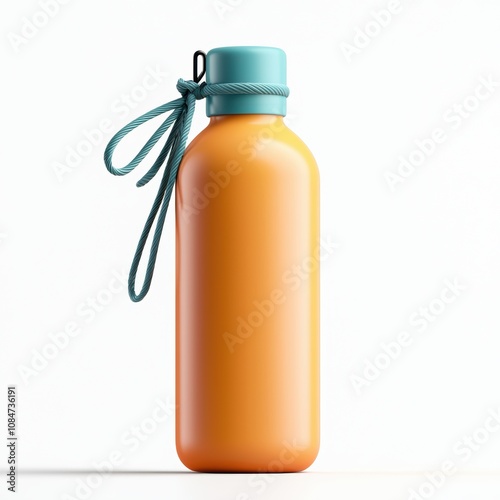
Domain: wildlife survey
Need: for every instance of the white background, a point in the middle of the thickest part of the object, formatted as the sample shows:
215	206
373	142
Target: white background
64	236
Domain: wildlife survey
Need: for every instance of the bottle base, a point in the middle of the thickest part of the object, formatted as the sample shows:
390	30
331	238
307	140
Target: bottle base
289	459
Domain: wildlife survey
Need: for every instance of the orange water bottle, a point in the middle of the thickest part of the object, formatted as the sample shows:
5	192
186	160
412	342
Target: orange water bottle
247	266
247	217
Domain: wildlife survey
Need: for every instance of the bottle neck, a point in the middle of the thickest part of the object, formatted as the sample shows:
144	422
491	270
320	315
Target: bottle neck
239	104
255	119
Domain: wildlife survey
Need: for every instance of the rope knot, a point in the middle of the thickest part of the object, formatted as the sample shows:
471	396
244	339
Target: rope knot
186	87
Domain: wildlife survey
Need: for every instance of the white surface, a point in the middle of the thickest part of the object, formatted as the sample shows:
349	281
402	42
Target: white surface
62	242
318	486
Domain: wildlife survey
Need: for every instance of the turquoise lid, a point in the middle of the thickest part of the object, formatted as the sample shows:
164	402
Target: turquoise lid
246	65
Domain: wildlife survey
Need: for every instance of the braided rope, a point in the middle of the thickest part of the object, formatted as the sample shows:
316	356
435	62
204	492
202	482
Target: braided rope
180	119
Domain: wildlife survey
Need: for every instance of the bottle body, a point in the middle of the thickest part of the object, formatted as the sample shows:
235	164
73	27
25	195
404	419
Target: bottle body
247	298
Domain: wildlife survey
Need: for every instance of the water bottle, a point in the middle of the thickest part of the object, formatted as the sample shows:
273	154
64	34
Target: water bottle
247	279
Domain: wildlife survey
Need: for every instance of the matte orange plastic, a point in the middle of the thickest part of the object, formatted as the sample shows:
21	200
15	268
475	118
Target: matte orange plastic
247	339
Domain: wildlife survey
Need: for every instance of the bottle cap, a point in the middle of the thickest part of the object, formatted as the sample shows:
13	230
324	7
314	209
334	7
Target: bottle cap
246	64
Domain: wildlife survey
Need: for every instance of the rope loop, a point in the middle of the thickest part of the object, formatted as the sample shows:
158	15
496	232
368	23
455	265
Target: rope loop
180	118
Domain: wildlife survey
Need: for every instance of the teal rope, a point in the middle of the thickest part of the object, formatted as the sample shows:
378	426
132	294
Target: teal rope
180	120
